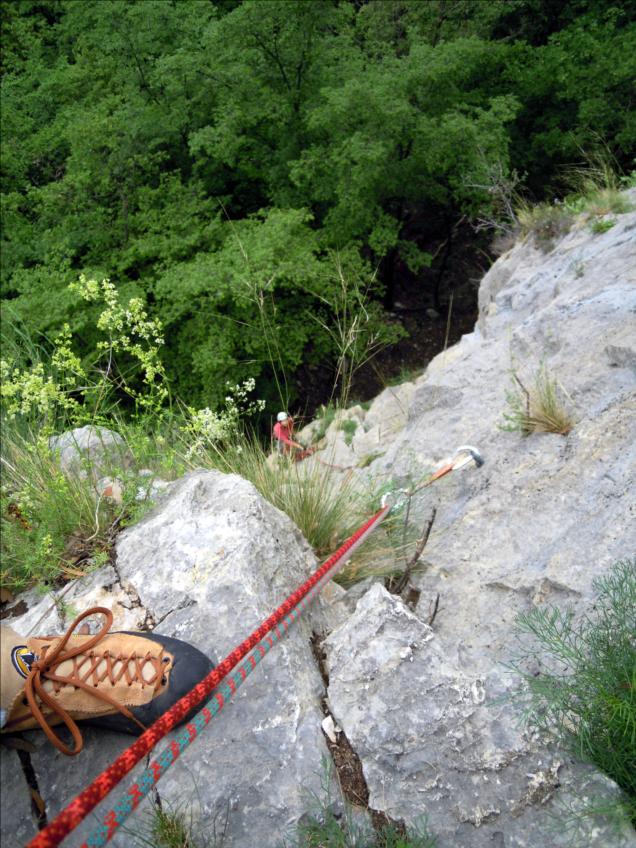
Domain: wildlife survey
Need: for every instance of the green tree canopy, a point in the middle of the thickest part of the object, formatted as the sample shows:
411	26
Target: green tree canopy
230	160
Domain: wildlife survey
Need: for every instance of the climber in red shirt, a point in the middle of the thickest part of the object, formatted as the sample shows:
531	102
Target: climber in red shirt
283	430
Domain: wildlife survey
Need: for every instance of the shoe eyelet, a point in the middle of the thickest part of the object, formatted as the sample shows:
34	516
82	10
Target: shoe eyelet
165	660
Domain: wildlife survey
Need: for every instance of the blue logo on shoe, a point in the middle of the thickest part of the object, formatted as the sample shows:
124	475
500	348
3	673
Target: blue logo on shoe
22	659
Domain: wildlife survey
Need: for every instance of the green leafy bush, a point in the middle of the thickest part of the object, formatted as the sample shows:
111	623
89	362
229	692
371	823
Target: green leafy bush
204	153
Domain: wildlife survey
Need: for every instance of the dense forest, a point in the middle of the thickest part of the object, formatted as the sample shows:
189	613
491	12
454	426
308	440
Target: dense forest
258	170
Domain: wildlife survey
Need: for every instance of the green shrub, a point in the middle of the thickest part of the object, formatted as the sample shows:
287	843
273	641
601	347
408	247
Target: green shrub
584	691
348	427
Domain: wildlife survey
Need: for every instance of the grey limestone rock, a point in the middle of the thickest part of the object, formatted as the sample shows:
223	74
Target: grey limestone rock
92	445
207	566
445	743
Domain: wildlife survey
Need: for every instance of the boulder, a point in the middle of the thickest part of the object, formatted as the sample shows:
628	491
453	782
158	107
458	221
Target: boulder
440	742
91	449
207	566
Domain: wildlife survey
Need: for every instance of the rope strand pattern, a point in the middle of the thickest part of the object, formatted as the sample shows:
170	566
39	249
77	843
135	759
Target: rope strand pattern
138	790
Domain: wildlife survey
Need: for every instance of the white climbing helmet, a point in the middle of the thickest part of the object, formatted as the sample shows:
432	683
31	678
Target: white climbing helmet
282	416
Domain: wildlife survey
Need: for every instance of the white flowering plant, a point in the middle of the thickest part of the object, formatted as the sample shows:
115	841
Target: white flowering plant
42	392
206	428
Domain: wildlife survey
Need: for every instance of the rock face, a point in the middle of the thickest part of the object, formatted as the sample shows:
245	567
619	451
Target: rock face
427	710
536	525
437	740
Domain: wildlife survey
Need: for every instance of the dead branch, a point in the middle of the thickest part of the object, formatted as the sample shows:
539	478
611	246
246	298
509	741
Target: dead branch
431	617
398	585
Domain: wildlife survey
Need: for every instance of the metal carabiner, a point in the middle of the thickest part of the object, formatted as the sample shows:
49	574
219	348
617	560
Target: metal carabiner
399	502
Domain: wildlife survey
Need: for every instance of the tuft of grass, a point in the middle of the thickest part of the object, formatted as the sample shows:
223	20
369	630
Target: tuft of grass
331	831
605	201
51	520
323	828
545	222
406	374
169	825
368	458
579	268
596	187
327	825
584	692
540	409
326	415
324	506
602	226
171	829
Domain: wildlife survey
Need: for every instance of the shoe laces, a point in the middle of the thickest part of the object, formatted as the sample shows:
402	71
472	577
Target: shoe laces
90	669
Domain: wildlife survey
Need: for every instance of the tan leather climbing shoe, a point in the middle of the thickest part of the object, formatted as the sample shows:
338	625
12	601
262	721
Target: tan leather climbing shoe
121	681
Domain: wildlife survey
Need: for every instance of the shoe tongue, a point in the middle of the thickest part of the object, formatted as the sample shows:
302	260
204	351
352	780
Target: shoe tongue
16	655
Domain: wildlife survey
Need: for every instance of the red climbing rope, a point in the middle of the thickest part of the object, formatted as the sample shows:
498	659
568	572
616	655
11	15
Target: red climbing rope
88	799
